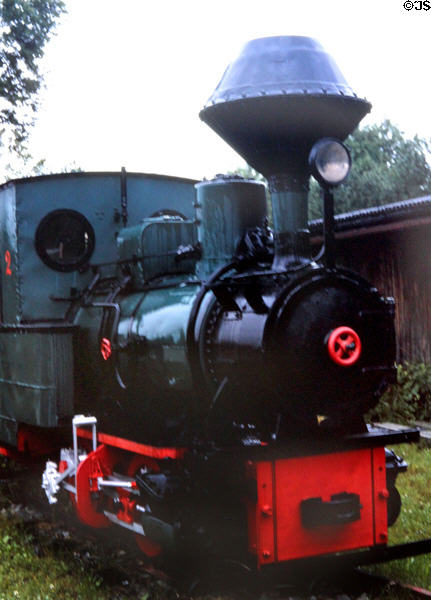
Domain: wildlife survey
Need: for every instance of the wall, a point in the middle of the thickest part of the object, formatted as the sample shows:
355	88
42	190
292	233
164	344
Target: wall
398	262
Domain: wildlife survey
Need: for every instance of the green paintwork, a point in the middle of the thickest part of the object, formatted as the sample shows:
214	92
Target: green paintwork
151	337
149	356
36	376
289	210
27	293
226	209
51	365
155	241
9	243
37	384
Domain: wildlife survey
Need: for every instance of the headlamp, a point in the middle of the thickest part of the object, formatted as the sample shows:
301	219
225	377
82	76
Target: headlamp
329	162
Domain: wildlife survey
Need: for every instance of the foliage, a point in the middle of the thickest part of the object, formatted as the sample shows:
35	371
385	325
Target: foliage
410	399
386	167
24	165
24	574
248	173
414	522
25	27
37	563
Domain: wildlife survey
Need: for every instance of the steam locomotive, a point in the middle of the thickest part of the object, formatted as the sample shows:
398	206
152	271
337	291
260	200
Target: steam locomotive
215	373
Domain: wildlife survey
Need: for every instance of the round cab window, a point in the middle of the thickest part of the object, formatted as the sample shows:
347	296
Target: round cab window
64	240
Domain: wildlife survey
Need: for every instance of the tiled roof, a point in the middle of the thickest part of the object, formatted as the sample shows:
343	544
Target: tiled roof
378	215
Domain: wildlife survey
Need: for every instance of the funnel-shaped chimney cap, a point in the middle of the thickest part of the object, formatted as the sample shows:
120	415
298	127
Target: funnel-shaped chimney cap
277	98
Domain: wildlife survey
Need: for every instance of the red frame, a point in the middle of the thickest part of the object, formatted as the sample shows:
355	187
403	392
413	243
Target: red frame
33	441
276	533
134	447
100	463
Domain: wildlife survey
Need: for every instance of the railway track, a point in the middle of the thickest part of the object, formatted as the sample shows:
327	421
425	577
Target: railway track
376	584
424	428
116	560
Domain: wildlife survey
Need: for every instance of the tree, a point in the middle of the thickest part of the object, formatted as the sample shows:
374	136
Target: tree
386	167
25	27
248	173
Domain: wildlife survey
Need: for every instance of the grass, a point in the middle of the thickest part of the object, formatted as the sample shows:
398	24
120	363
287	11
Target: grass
414	523
37	564
40	560
40	565
27	576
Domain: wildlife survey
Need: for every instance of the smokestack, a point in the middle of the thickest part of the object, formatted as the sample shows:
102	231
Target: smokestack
278	98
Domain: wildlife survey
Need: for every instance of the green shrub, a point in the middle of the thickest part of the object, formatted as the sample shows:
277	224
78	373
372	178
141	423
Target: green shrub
409	399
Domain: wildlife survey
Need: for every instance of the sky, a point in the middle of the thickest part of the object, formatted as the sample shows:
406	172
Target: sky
125	80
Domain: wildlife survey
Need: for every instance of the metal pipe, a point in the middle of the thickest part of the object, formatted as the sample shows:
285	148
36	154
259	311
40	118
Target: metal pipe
328	228
124	214
289	199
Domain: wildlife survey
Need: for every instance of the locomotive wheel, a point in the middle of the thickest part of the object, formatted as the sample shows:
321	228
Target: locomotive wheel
150	548
394	505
